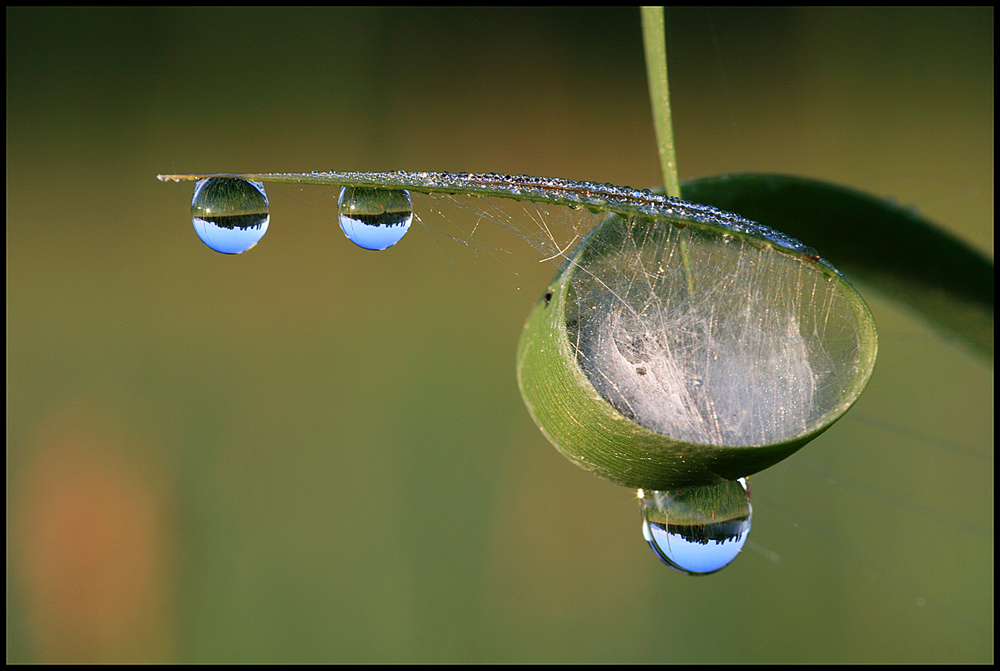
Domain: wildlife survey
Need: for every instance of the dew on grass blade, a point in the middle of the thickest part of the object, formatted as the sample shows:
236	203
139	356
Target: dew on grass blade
678	346
229	215
375	219
697	531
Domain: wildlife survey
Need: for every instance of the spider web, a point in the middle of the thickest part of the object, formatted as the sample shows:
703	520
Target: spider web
707	337
698	332
694	332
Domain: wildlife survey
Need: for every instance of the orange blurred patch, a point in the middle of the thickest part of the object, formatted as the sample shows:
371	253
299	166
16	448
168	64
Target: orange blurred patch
91	533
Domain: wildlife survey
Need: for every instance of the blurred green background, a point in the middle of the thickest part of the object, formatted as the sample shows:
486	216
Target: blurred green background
313	453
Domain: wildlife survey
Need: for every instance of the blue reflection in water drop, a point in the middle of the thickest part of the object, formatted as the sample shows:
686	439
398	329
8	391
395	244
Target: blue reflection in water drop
697	531
375	219
230	215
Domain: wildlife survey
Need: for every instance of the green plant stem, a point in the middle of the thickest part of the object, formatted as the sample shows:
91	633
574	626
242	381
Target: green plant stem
659	95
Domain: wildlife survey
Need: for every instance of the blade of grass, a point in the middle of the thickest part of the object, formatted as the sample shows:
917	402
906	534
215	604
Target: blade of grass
659	95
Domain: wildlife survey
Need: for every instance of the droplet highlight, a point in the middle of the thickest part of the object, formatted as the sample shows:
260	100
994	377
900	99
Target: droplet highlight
697	531
229	215
375	219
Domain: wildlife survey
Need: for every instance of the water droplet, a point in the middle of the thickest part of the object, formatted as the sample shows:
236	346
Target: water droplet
375	219
230	215
810	253
697	531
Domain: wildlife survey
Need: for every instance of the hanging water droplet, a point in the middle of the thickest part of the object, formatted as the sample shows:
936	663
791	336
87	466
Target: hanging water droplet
697	531
230	215
375	219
